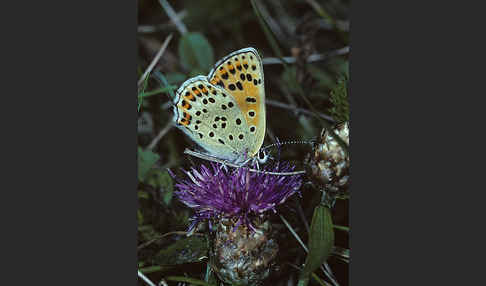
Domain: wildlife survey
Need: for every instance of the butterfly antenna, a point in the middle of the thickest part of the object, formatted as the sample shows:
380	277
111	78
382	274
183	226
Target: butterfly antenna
278	143
276	173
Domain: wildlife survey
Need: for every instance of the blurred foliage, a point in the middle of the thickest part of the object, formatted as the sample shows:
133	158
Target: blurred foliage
146	159
297	29
339	100
161	180
195	53
186	250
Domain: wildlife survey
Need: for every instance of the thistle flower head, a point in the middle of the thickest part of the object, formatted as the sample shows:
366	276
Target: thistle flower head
217	191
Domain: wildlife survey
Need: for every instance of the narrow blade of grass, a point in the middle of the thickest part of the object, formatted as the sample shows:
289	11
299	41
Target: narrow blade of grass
152	269
294	233
159	90
163	82
140	96
342	253
343	228
268	34
321	11
319	280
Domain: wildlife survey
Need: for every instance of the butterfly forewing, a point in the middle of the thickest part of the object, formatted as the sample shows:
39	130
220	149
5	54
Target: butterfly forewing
241	75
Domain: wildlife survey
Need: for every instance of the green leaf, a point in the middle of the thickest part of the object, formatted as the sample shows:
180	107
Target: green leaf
161	180
321	242
186	250
195	52
146	159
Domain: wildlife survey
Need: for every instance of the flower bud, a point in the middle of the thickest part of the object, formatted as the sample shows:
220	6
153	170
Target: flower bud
328	163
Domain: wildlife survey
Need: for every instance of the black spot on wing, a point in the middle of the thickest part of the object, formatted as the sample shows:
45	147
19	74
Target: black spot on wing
239	85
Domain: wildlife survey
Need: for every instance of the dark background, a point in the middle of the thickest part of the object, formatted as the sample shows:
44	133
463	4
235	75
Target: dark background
214	29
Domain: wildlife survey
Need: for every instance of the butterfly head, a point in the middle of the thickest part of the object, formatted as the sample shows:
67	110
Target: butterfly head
262	156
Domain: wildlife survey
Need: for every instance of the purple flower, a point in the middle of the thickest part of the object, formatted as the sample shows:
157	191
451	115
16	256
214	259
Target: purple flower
237	193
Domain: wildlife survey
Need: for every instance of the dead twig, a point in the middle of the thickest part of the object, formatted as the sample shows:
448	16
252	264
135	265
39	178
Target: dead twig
159	136
155	60
173	16
298	109
145	244
145	29
310	59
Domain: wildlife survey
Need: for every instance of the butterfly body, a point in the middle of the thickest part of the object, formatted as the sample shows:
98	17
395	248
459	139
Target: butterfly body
225	112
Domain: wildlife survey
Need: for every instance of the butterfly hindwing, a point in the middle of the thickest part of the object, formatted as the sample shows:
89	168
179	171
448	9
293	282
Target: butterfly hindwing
241	75
210	116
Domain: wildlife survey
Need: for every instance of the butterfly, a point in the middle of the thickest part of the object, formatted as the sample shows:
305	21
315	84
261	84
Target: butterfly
224	112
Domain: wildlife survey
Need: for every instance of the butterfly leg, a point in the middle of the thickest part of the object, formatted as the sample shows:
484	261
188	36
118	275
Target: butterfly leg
257	164
244	163
224	167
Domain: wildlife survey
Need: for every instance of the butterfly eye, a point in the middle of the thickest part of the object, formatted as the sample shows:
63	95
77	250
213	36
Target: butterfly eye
261	155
